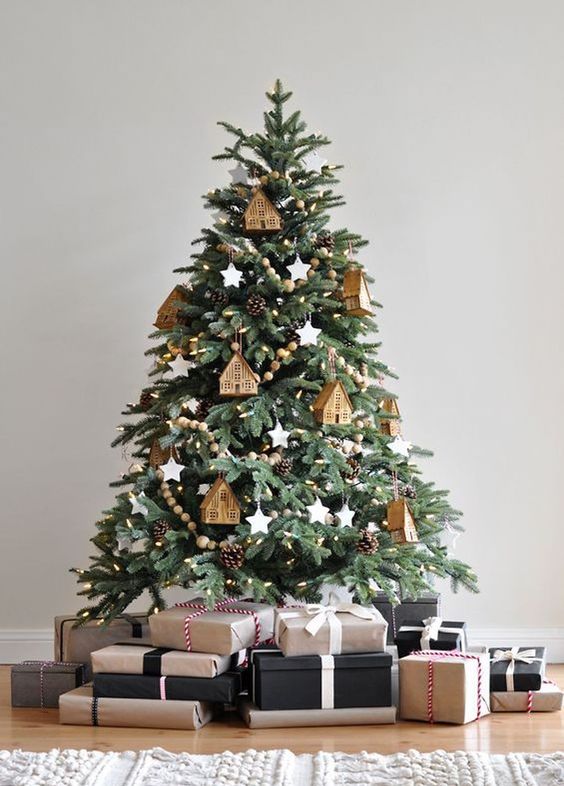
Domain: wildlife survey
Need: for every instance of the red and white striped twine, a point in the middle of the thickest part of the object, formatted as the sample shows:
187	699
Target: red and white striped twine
530	694
43	664
222	605
434	655
395	486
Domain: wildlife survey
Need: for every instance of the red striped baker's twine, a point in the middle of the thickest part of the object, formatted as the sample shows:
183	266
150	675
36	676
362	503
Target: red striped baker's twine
531	692
43	664
222	605
434	655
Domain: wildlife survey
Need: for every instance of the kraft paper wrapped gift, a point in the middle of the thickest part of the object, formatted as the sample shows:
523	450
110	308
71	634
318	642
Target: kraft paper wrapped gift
517	668
223	689
547	699
224	630
457	683
320	681
329	630
426	605
280	719
80	708
75	644
132	658
432	633
40	683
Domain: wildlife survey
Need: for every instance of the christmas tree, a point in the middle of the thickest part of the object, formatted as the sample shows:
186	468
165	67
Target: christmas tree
268	459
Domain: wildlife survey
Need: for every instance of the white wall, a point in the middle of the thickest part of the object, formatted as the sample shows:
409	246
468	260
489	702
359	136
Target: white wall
448	117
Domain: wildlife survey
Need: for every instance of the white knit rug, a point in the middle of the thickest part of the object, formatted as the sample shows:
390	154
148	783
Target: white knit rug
278	768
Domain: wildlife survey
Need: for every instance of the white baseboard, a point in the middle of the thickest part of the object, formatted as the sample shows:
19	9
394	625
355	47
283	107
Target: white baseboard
18	645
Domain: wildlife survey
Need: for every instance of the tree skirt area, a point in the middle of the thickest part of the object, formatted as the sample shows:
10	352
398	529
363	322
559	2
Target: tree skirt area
278	768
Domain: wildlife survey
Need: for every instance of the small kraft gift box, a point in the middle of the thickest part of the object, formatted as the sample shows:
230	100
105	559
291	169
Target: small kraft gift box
228	627
547	699
445	687
517	668
342	629
320	681
426	605
39	683
432	633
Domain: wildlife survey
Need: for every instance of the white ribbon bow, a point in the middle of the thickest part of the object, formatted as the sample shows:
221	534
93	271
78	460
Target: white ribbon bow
513	656
430	630
326	614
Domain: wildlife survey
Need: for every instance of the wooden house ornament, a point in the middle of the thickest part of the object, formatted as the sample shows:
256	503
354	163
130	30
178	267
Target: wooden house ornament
220	505
333	404
401	523
158	455
390	426
167	315
238	378
356	294
261	215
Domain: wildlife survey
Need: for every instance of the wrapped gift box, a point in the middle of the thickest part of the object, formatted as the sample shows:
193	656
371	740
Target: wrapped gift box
132	658
432	633
320	681
81	708
547	699
517	668
40	683
75	644
330	630
456	683
222	689
224	631
281	719
426	605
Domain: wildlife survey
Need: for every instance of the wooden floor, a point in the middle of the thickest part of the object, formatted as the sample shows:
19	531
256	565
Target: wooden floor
39	730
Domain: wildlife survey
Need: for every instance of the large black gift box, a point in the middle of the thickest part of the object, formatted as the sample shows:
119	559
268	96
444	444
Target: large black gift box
408	641
222	689
308	682
515	675
426	605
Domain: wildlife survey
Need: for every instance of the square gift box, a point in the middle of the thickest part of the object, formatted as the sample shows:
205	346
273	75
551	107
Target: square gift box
448	687
226	629
426	605
329	630
517	668
547	699
432	633
320	681
40	683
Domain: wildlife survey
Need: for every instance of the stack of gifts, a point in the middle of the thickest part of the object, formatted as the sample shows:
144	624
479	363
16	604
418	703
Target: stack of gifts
518	682
191	665
328	668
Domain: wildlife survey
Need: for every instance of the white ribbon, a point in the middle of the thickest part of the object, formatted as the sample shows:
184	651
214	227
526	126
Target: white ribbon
513	656
324	614
327	682
430	630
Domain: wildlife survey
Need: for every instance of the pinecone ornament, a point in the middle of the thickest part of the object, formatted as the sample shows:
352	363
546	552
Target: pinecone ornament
353	469
368	543
256	305
409	491
160	528
283	467
203	407
232	556
219	297
146	400
291	332
326	240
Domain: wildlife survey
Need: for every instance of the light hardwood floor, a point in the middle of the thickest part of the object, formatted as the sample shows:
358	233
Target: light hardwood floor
39	730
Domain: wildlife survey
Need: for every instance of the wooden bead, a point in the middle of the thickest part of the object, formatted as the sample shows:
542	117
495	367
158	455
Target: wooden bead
268	376
271	272
275	365
192	526
349	370
214	447
278	277
273	514
341	361
182	422
272	461
202	541
289	285
292	346
263	457
332	274
178	510
185	517
281	353
359	423
235	346
193	424
164	486
264	180
203	426
300	204
356	449
310	273
275	174
171	502
211	545
323	253
252	456
223	544
314	262
286	512
358	437
275	457
265	262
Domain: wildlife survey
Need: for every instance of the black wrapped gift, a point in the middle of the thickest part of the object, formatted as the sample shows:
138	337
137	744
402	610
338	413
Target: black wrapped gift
222	689
432	633
307	682
516	668
426	605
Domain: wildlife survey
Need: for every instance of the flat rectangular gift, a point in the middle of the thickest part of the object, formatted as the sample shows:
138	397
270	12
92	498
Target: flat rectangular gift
224	630
131	658
40	683
222	689
329	630
74	644
432	633
426	605
81	708
517	668
446	687
282	719
320	681
547	699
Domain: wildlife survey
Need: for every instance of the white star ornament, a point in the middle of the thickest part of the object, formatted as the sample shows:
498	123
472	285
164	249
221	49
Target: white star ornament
308	334
317	511
298	269
259	521
313	162
400	446
171	470
179	366
346	515
278	436
231	276
137	505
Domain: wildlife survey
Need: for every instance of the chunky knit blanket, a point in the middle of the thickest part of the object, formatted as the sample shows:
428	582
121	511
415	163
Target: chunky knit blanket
278	768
